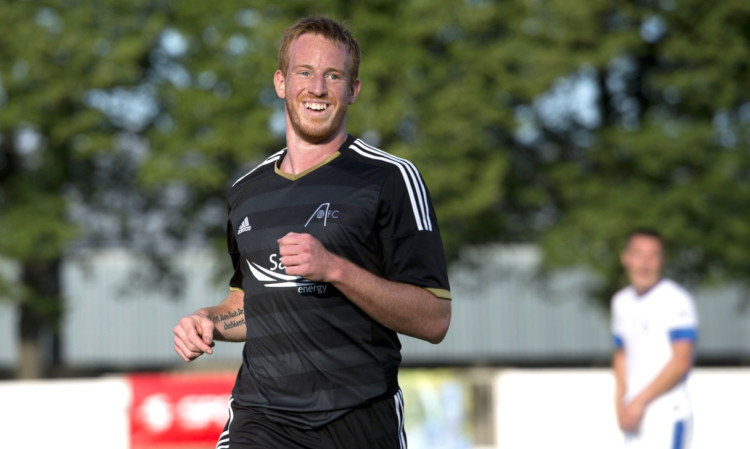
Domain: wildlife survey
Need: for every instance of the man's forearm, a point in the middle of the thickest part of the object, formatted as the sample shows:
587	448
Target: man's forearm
618	367
404	308
228	318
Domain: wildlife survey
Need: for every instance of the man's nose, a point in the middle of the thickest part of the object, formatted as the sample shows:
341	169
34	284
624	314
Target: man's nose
318	86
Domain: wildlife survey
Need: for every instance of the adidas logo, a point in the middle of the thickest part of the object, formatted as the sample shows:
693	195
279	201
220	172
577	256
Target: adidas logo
244	226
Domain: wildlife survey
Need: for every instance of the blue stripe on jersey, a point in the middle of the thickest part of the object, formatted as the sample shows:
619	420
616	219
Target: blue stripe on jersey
617	341
688	333
678	438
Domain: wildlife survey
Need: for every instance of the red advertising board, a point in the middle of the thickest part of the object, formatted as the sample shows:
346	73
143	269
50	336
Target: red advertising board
178	410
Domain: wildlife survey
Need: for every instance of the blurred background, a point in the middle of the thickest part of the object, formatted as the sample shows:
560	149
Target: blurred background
545	130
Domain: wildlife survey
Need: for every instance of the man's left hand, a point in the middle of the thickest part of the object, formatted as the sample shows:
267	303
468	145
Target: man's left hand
304	255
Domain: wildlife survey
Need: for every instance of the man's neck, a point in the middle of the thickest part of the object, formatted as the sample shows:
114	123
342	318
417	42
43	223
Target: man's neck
643	289
302	156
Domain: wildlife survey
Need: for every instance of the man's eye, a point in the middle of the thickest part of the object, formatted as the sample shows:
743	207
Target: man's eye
304	73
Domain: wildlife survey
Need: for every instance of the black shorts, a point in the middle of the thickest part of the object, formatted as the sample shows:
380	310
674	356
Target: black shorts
379	425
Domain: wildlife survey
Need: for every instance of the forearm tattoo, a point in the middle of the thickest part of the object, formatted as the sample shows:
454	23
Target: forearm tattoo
231	319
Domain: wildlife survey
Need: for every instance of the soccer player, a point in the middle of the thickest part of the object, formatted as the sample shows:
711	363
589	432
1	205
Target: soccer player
336	249
654	326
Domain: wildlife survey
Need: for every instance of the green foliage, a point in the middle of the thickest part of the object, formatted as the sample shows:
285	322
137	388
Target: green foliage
671	149
32	237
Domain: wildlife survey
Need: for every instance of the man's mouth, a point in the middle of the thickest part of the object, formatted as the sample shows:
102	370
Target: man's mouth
313	106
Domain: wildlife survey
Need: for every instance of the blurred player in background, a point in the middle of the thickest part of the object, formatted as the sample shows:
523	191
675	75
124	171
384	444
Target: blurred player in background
335	248
654	327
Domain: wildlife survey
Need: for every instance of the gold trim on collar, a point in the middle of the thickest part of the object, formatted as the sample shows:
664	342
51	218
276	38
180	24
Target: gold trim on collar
292	177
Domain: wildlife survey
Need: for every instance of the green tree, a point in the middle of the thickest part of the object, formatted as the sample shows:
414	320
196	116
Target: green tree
668	146
52	142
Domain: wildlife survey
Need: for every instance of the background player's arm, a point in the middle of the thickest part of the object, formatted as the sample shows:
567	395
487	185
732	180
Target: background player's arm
618	367
195	333
404	308
672	373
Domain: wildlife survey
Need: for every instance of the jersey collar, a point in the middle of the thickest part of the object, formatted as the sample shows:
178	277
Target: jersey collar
292	177
648	290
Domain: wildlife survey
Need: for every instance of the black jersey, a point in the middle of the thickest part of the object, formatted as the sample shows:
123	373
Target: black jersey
310	354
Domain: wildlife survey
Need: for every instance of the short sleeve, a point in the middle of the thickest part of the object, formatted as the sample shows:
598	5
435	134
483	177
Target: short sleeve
682	321
617	325
235	283
412	248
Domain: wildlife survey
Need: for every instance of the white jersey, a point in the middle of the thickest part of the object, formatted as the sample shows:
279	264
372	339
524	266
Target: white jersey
646	326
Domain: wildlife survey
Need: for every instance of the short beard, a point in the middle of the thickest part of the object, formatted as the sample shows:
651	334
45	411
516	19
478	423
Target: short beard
314	133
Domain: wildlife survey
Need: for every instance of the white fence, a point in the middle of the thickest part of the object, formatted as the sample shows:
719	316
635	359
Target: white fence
557	408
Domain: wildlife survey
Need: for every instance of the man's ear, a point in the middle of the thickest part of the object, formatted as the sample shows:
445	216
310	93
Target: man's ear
355	90
279	83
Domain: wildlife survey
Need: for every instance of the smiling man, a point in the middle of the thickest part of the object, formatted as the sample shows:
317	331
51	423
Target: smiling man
336	250
654	327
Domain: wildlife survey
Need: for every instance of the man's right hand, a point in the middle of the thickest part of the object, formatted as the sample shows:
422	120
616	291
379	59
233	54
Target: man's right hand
193	336
629	416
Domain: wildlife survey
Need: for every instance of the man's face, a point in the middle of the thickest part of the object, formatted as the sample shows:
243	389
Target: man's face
315	88
643	259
